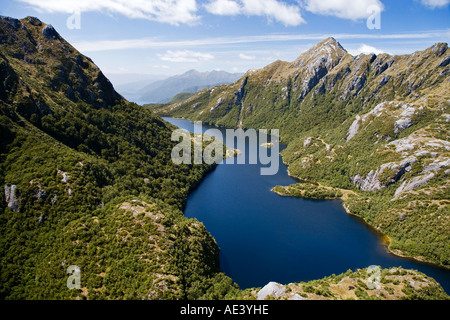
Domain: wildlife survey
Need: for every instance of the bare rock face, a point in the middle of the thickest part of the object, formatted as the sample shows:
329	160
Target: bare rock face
219	102
444	61
353	130
316	63
413	183
239	95
375	112
402	124
428	173
49	32
372	181
11	197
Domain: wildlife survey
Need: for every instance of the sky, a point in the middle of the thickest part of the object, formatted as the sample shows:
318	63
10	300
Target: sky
134	39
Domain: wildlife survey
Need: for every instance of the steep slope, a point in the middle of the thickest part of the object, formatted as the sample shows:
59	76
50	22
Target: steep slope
374	127
87	180
191	81
362	284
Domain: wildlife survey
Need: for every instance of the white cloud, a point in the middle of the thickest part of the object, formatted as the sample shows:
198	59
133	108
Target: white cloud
287	14
160	66
345	9
146	43
223	7
185	56
167	11
365	49
435	3
243	56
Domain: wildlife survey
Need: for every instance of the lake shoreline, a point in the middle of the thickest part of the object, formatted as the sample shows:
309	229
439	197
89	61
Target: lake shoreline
386	239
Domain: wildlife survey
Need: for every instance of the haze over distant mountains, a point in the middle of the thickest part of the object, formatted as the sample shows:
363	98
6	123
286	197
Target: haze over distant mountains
162	91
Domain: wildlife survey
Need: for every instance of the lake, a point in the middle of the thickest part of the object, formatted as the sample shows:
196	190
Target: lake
264	237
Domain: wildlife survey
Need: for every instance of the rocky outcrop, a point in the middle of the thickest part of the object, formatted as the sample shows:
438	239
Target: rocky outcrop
444	62
384	80
372	182
315	64
49	32
272	289
402	124
219	102
239	95
357	84
354	127
11	197
428	173
382	63
361	284
412	184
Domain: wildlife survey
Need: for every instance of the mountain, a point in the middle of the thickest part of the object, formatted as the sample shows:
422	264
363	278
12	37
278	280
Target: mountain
129	85
87	180
191	81
371	129
87	184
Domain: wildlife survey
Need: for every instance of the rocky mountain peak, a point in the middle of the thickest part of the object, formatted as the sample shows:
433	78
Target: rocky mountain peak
317	62
328	51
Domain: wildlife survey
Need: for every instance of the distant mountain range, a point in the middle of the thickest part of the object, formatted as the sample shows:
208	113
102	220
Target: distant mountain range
162	91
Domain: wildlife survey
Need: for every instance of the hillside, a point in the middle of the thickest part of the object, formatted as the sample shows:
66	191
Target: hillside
372	130
87	180
362	284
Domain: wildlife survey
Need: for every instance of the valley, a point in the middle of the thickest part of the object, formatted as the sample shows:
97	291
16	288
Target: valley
373	124
88	181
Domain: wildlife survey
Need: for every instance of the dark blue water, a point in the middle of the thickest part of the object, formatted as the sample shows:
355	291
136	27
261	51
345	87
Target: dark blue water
264	237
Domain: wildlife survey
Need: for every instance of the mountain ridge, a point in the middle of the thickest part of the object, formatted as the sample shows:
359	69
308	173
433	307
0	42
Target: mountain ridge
87	180
376	125
191	81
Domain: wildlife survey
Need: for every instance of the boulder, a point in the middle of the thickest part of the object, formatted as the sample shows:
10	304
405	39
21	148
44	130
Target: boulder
402	124
273	289
412	184
297	297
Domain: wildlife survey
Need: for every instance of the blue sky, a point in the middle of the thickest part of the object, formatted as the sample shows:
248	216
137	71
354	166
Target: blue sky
167	37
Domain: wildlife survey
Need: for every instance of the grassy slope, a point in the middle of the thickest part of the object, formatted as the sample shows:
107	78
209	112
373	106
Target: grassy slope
362	284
